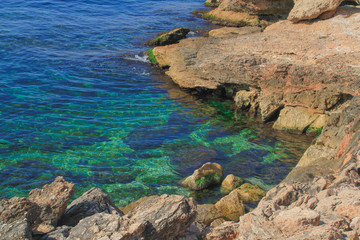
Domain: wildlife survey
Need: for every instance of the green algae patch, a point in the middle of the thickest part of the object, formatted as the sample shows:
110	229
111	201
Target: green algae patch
152	57
208	180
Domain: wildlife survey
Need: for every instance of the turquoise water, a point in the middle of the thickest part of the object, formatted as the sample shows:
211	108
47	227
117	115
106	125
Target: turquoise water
78	99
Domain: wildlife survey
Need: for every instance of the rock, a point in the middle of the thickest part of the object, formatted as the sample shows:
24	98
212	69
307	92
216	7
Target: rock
169	37
212	3
207	175
258	6
166	212
207	213
307	9
247	100
296	218
18	229
128	208
230	183
251	193
52	199
233	31
300	119
61	233
150	220
231	206
217	222
234	19
18	209
91	202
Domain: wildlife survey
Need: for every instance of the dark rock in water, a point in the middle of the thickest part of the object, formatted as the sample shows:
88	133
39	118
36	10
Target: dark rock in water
169	38
52	199
61	233
20	229
164	217
91	202
207	175
18	209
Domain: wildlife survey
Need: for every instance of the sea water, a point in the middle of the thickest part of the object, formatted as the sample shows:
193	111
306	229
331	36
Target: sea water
78	99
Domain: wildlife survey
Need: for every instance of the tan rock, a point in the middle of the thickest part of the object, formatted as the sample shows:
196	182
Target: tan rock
309	9
247	100
296	118
217	222
230	183
207	213
231	206
233	31
207	175
234	18
258	6
128	208
296	218
251	193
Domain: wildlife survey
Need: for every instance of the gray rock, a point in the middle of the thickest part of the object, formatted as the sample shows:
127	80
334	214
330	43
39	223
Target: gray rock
15	209
91	202
61	233
17	230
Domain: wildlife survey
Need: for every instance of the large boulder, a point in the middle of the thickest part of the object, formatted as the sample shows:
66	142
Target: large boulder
164	217
19	229
52	199
258	6
128	208
207	213
169	37
207	175
15	209
231	206
309	9
91	202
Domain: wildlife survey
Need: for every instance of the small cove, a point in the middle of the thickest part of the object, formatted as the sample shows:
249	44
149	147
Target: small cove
78	101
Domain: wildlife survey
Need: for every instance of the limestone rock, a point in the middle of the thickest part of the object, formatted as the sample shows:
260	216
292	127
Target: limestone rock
169	38
296	218
230	183
19	229
251	193
91	202
217	222
231	206
233	31
128	208
15	209
234	19
52	199
166	212
308	9
258	6
61	233
207	213
207	175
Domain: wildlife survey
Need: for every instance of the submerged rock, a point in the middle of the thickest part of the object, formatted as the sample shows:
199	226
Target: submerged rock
91	202
169	37
207	175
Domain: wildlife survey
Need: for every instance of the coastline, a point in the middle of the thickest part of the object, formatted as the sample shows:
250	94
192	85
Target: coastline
294	207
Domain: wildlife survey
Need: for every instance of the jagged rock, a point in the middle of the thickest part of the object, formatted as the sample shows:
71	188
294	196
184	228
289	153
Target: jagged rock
128	208
207	175
309	9
212	3
52	199
250	193
15	209
18	229
169	38
91	202
258	6
60	233
230	183
207	213
150	220
231	206
233	18
232	31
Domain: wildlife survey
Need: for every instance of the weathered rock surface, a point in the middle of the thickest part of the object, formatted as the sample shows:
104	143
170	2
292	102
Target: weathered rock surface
207	213
18	209
232	31
19	229
250	193
60	233
164	217
230	183
91	202
308	9
52	199
231	206
258	6
207	175
169	37
128	208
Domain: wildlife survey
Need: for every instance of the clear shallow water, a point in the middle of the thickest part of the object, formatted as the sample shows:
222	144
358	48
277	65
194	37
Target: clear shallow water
76	101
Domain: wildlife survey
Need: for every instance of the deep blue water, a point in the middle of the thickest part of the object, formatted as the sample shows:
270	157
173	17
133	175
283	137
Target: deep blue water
78	99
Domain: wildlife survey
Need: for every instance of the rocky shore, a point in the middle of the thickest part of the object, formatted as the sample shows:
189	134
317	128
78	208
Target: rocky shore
301	74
